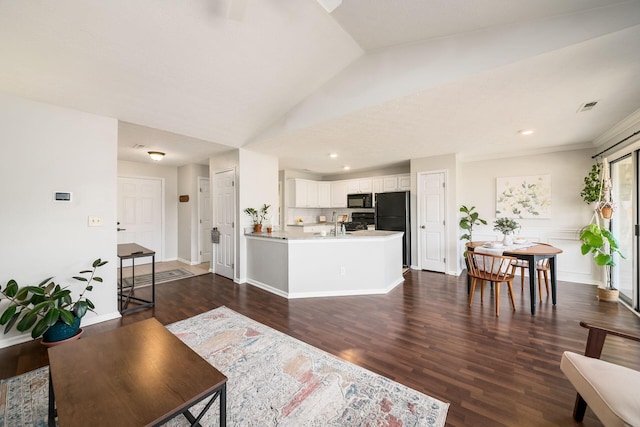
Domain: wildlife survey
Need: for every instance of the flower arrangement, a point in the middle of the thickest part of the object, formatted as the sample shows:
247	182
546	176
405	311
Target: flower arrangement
505	225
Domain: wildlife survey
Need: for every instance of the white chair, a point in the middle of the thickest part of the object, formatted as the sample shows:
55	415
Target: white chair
610	390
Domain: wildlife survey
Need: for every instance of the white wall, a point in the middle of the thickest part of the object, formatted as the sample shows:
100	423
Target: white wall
169	176
257	185
47	149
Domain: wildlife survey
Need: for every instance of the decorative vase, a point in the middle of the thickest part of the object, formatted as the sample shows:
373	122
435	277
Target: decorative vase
257	228
507	240
608	295
61	331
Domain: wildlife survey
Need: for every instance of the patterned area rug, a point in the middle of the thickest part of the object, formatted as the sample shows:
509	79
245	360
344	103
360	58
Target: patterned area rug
274	380
161	277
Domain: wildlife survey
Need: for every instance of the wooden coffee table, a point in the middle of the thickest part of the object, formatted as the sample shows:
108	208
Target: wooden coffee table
136	375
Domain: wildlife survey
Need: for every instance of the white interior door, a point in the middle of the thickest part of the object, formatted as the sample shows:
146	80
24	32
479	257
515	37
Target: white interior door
140	215
224	197
205	213
431	227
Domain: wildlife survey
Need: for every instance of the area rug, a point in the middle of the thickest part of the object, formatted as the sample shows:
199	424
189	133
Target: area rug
161	277
273	380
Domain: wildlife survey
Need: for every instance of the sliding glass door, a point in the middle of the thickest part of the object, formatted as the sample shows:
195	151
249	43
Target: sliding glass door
623	179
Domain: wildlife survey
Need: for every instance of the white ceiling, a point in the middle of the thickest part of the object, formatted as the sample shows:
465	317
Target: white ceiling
378	82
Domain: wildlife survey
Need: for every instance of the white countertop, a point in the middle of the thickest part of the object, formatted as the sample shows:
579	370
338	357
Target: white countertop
283	235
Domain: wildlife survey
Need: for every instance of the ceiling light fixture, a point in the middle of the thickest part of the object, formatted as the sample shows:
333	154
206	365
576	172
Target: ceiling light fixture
156	155
525	132
333	155
346	167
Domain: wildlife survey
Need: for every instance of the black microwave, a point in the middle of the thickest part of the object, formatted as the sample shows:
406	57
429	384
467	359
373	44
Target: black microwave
361	200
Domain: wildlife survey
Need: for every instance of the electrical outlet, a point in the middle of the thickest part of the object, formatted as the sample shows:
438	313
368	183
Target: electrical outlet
95	221
343	271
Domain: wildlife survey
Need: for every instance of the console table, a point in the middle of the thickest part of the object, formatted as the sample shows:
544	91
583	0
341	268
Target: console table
136	375
132	251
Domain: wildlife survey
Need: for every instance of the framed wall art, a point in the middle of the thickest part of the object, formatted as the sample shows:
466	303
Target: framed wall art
524	196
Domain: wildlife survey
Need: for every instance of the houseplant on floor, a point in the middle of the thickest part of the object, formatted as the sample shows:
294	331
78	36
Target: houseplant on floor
48	308
470	219
258	216
603	245
506	226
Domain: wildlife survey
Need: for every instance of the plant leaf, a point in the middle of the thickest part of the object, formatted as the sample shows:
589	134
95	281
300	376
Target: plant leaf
12	288
8	314
82	279
67	317
27	321
52	316
40	328
11	322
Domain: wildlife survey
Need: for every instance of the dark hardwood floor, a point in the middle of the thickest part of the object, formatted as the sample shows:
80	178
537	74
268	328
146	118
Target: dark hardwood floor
494	371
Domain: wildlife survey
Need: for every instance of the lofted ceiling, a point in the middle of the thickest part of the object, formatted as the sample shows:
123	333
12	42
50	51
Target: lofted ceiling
376	82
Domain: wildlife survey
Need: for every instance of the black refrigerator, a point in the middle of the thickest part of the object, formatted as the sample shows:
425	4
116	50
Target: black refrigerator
392	213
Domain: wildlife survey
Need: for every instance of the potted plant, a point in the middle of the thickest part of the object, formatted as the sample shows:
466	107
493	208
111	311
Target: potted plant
48	308
258	216
592	190
603	245
506	226
470	219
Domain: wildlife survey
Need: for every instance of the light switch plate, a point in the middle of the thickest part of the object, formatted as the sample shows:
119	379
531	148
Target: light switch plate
95	221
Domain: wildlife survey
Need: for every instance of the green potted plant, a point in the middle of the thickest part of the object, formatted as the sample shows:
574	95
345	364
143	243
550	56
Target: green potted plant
470	219
592	191
603	246
47	308
506	226
258	216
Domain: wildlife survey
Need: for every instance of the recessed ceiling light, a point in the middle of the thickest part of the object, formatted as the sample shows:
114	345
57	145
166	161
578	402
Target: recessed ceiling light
333	155
525	132
346	168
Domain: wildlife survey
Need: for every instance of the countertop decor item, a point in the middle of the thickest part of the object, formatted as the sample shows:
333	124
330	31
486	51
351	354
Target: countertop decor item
506	226
48	306
258	216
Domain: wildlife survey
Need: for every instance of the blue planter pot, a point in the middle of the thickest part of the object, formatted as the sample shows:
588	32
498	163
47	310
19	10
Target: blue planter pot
61	331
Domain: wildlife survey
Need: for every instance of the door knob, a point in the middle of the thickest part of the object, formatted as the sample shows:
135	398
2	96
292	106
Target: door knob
423	227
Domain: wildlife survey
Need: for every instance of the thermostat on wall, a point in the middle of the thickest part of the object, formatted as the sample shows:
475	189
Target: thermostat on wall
62	197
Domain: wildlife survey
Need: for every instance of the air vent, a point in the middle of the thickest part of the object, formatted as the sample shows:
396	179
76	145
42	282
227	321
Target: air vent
587	106
138	146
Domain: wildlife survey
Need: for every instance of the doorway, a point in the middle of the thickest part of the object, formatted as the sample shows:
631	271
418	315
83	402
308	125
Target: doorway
431	221
140	215
204	219
624	190
224	197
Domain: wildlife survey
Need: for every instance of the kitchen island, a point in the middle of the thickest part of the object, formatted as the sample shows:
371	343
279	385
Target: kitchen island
304	265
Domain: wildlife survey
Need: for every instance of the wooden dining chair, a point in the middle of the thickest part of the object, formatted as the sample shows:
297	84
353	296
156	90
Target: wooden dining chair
542	268
493	268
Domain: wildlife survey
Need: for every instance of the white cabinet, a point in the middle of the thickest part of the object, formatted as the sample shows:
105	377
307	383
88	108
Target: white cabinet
339	194
305	193
404	182
324	194
360	185
377	185
397	182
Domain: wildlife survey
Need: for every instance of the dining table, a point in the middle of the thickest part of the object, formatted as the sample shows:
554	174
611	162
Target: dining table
532	253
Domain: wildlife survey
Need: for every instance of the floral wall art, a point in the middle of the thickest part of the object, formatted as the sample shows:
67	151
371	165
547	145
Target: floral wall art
523	196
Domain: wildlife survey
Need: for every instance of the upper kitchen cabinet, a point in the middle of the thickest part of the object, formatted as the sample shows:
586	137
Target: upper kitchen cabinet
339	194
361	185
397	182
324	194
303	193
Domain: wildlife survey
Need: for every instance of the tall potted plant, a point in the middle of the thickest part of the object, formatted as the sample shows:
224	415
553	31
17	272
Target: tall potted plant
469	219
47	307
603	246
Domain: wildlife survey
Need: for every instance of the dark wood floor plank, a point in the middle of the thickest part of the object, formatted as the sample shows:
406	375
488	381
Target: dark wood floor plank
501	371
